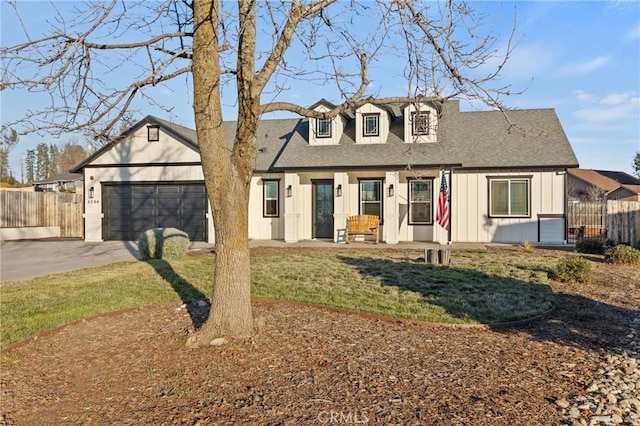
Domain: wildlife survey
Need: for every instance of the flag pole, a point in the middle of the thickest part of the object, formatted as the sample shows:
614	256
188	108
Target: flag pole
450	208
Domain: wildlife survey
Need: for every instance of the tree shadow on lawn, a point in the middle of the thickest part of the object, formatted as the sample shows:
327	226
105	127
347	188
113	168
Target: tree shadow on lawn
494	300
194	300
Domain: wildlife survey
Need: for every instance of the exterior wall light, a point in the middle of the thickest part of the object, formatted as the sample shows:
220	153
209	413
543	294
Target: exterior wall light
289	190
91	192
390	190
339	191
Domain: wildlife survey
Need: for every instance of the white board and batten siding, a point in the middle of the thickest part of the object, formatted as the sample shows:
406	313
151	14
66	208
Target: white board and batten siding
137	160
261	227
470	220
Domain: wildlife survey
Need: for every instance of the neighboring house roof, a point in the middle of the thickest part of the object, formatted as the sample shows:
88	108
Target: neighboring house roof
472	140
608	181
63	177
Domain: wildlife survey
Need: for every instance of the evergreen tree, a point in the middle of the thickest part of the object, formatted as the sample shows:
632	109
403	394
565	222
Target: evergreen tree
30	165
54	160
636	164
42	161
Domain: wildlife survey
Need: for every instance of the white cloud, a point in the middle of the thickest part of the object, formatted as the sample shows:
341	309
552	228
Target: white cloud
528	61
617	98
584	67
609	112
634	33
583	96
616	110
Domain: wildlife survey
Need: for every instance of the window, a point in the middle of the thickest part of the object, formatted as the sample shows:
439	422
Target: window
271	198
323	127
509	197
420	202
371	197
370	124
153	133
420	123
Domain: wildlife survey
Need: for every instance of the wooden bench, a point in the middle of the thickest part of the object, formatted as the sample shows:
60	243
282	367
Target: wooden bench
363	224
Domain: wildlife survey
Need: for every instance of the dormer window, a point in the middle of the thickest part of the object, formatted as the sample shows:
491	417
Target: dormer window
153	133
323	127
419	123
371	124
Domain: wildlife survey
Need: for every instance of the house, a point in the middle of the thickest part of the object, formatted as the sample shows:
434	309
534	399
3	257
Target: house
65	182
610	185
506	179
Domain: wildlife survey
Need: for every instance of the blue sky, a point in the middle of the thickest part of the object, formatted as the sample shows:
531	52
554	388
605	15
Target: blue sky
581	58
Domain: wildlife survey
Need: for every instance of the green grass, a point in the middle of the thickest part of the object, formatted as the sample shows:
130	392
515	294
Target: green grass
478	287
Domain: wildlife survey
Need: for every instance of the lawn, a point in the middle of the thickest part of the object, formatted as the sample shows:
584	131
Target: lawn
477	287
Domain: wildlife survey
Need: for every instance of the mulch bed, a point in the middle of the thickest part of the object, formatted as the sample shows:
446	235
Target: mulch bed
309	365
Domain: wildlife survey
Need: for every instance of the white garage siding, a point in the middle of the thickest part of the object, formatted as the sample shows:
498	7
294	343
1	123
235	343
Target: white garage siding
470	220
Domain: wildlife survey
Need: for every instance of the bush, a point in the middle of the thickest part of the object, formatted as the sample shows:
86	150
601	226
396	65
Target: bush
528	246
574	269
623	254
591	246
163	243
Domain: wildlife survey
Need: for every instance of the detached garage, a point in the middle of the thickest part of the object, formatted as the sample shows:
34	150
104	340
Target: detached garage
149	177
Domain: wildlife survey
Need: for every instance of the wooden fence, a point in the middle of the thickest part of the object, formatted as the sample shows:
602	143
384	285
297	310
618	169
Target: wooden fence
31	209
614	220
587	220
623	221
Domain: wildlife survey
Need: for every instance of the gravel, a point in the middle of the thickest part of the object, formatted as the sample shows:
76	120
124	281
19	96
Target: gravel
613	398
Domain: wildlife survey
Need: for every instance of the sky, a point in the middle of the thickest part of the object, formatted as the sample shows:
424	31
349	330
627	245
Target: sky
581	58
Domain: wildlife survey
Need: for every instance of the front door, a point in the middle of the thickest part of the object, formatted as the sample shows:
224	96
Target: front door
323	209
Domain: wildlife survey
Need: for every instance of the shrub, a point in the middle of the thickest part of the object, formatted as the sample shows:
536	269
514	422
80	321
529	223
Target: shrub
574	269
588	245
528	246
163	243
623	254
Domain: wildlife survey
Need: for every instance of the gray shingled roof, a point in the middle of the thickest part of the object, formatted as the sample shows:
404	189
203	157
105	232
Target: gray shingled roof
471	140
468	139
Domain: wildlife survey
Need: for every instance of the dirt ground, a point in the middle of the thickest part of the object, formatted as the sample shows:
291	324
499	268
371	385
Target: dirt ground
311	366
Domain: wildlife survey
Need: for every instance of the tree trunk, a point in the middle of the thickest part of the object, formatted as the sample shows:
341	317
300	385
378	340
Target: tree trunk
227	182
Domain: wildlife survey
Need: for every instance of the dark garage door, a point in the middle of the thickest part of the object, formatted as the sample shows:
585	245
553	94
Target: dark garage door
132	209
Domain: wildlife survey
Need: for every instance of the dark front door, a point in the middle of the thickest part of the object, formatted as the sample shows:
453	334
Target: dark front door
323	209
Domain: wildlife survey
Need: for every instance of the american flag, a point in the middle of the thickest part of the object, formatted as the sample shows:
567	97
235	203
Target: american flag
442	216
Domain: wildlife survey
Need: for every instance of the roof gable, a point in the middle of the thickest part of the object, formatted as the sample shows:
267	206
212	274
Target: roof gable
181	134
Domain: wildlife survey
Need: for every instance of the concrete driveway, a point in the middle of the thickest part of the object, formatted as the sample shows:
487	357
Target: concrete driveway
21	260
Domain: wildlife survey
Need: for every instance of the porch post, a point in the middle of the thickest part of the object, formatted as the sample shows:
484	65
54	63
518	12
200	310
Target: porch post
340	206
390	212
291	207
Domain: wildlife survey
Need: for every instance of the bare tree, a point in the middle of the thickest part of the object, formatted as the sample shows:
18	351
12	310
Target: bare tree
247	52
595	193
71	154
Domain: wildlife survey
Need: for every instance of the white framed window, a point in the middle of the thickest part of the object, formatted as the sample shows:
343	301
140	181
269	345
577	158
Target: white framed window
153	133
271	193
323	127
420	123
509	197
371	197
371	124
421	202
